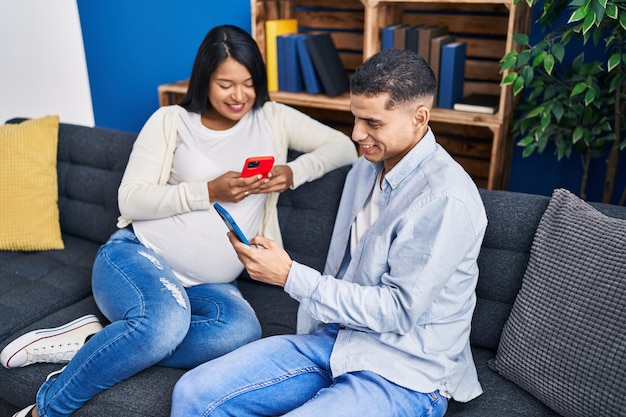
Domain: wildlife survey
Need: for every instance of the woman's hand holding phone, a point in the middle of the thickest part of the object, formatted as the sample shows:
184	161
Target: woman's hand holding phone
230	187
233	187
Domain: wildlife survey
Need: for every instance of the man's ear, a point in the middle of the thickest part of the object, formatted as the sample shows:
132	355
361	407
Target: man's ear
421	116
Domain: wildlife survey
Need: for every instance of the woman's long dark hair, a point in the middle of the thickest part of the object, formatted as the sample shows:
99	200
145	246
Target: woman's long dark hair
220	43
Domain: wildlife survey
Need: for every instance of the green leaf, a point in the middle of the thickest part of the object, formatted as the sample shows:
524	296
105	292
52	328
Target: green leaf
577	135
509	79
611	10
548	63
590	20
521	39
590	95
558	51
535	112
578	88
558	110
622	20
518	85
508	61
579	14
528	151
614	61
525	141
539	59
523	58
528	74
598	7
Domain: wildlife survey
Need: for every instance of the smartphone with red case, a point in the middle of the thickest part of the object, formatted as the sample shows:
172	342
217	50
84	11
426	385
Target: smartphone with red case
257	165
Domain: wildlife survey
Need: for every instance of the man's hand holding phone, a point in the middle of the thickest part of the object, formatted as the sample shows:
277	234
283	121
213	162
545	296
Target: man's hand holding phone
264	260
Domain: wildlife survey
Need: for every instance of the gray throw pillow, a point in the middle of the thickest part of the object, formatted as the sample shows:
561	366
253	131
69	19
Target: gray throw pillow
565	340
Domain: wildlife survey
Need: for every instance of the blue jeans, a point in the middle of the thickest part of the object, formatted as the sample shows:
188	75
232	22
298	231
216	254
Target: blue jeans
290	375
154	321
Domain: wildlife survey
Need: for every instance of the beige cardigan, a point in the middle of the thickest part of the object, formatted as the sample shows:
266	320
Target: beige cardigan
144	193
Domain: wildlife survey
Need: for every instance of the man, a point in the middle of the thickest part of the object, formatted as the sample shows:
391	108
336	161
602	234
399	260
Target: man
385	330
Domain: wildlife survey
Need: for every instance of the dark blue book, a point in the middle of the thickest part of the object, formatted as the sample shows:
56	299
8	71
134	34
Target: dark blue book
452	74
289	73
312	82
327	63
411	38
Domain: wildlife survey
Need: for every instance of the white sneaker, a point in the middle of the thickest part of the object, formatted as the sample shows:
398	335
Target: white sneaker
25	412
57	345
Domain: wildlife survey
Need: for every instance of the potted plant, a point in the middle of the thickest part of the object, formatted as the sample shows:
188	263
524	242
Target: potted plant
572	100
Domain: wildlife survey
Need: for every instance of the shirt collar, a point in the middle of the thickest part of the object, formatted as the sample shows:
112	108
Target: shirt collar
411	160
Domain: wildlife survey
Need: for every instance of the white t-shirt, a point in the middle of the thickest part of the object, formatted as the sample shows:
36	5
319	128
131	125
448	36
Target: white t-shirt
365	218
195	244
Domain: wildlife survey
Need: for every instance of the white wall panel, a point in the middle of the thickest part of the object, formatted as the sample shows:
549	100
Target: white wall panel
42	61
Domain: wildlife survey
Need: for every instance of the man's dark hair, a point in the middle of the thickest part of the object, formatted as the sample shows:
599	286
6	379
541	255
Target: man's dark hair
220	43
403	74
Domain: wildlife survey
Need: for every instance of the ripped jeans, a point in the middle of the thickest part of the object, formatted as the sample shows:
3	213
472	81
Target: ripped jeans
154	321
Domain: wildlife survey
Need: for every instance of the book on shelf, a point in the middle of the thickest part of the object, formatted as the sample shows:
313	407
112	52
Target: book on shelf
273	29
311	80
479	103
327	63
387	35
399	36
289	72
411	38
426	34
435	55
451	74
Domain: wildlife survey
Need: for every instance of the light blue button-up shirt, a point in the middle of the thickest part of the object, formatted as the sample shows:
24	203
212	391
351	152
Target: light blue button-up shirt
405	299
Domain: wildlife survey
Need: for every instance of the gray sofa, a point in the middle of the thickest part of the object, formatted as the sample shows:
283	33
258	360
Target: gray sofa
46	289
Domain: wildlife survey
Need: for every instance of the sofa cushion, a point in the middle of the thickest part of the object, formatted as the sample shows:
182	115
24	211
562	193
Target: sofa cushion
29	215
512	221
500	397
564	340
307	217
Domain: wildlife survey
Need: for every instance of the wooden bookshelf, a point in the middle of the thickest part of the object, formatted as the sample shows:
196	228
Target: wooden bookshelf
481	143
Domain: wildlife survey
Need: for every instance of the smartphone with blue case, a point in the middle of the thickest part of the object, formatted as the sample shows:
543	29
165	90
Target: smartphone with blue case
230	223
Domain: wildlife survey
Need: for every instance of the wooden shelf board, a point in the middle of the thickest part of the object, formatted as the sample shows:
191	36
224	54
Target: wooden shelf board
342	103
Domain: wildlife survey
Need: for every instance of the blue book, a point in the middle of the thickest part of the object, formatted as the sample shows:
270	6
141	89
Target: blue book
281	62
312	82
452	74
386	36
289	73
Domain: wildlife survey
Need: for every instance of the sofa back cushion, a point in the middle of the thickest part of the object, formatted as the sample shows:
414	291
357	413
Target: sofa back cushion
307	217
513	219
90	165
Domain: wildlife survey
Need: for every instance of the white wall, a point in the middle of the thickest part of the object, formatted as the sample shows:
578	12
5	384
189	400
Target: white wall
42	61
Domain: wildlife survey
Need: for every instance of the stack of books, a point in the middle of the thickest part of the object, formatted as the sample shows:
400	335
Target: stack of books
303	62
447	58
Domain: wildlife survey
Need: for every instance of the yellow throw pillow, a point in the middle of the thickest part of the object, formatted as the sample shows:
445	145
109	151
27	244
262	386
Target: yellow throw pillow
29	212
